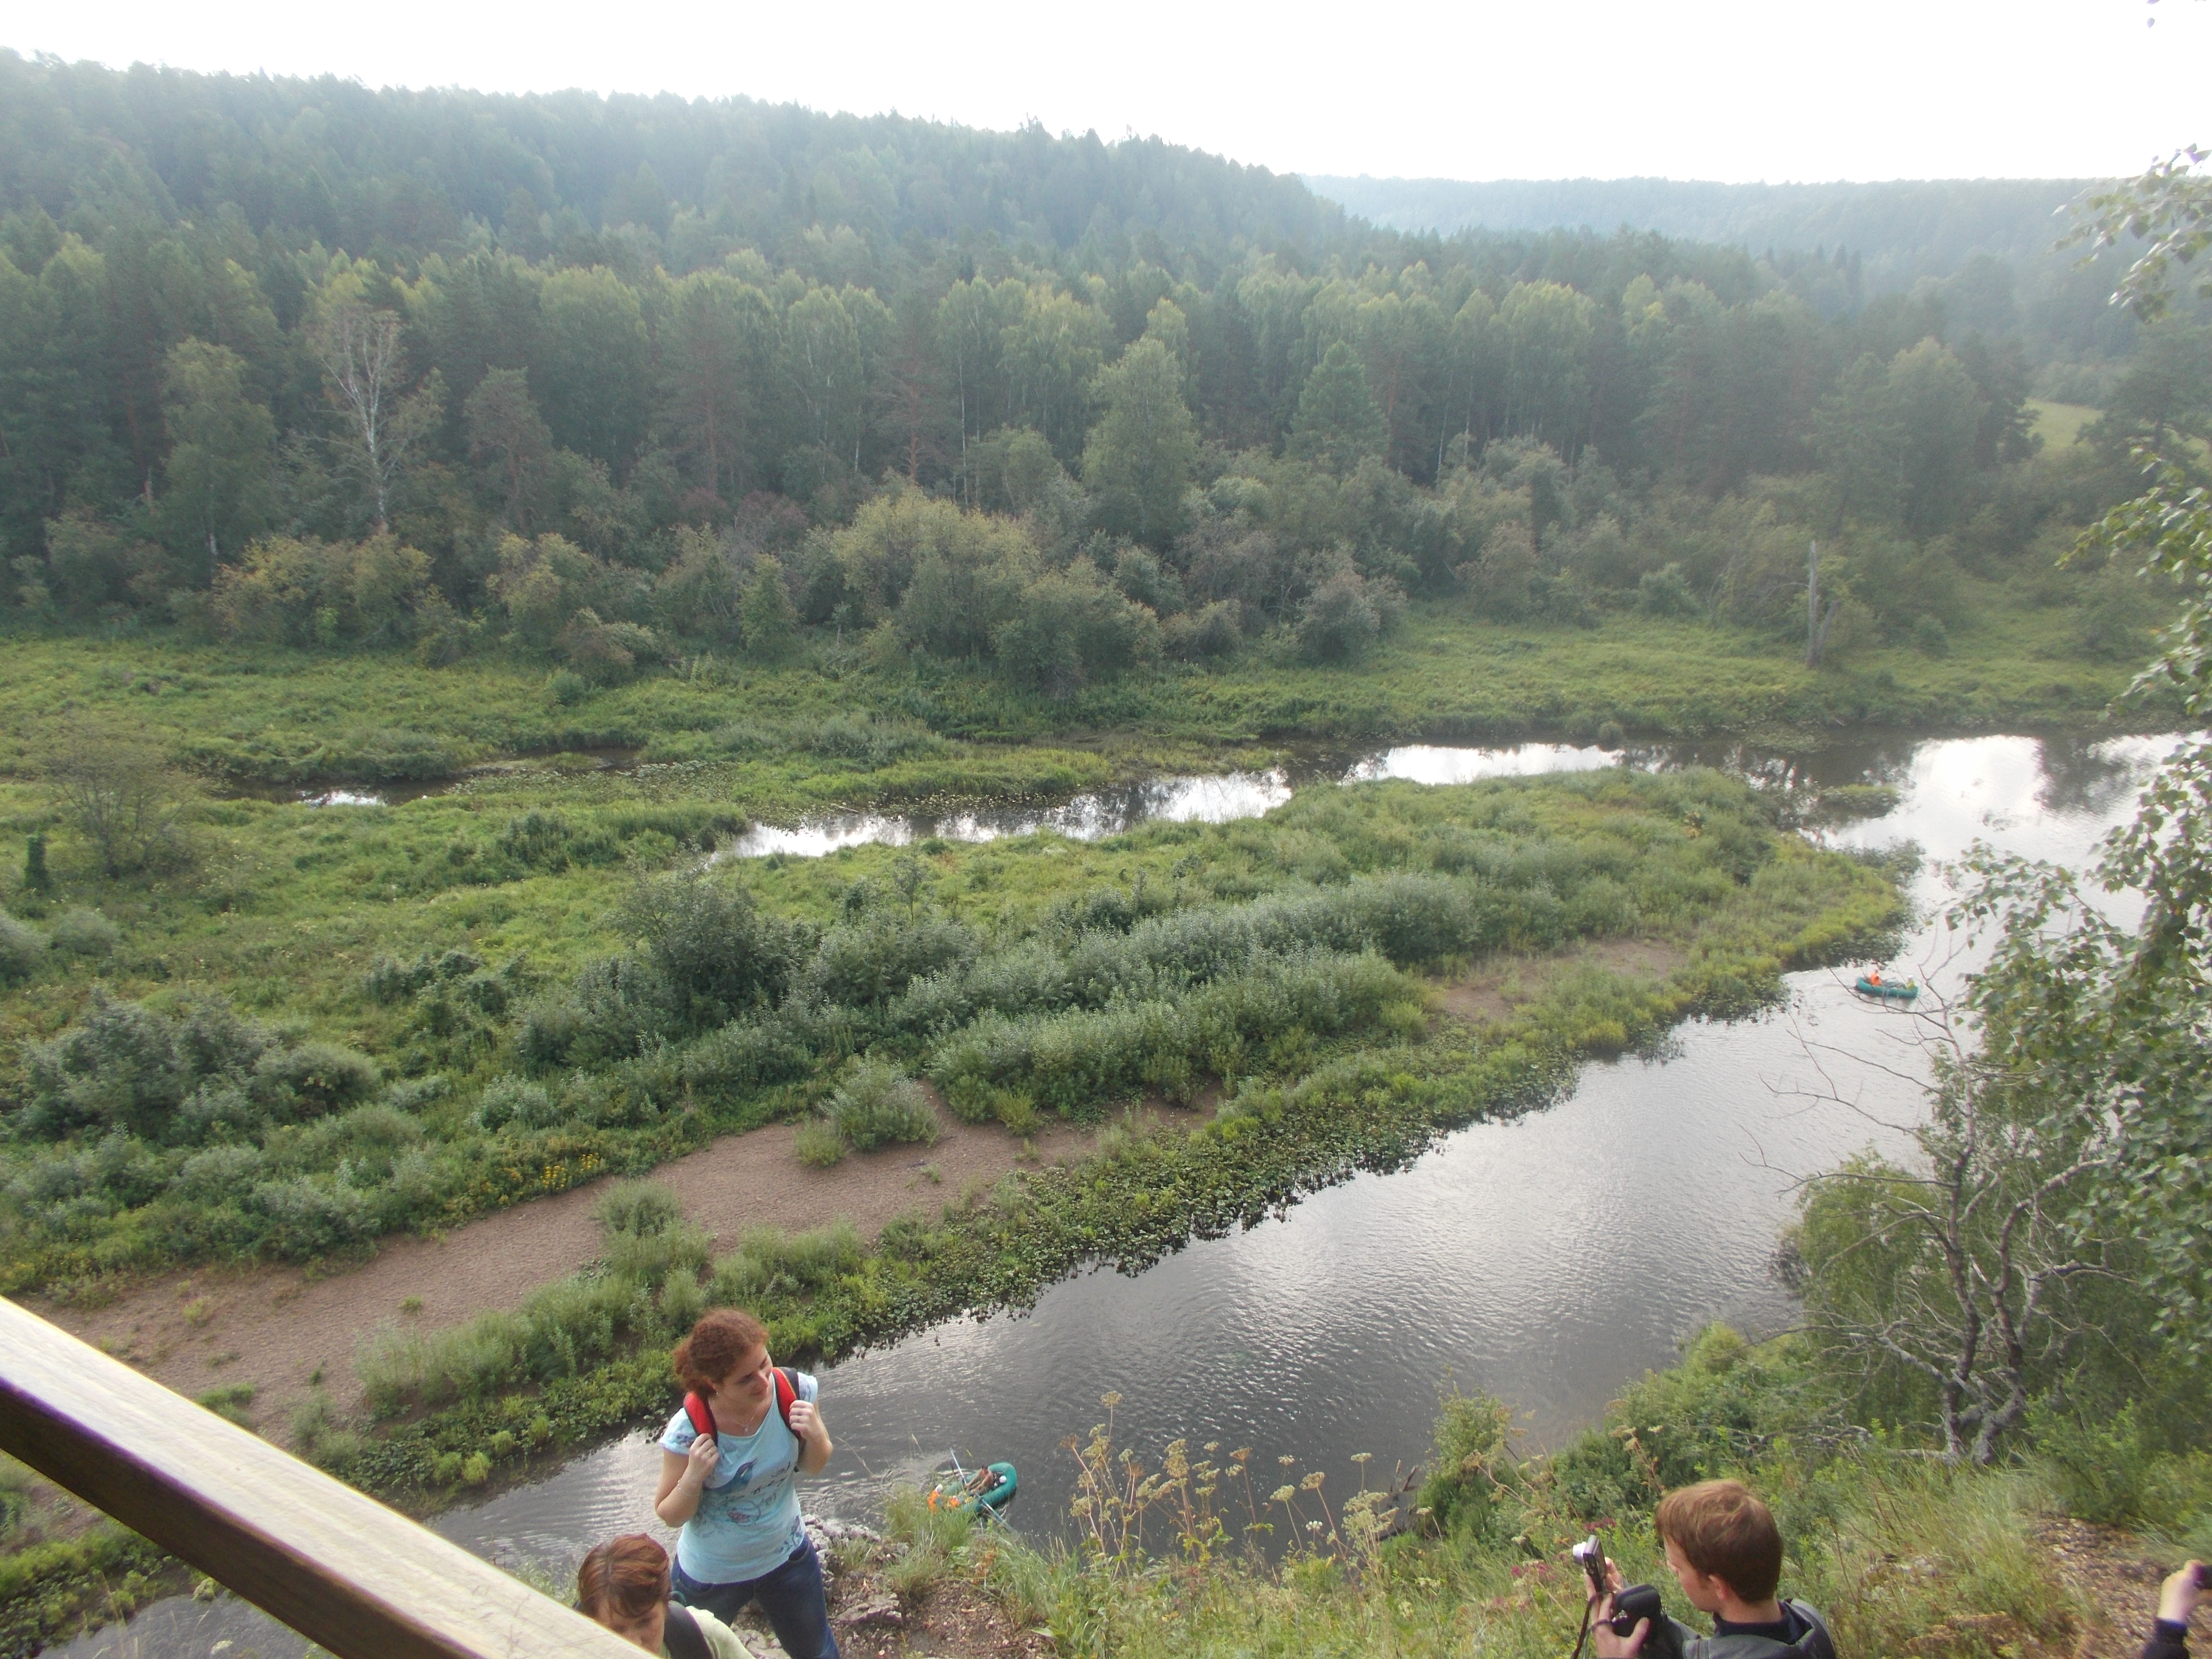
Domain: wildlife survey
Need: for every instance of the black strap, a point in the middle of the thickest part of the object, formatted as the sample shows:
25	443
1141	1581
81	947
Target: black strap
681	1635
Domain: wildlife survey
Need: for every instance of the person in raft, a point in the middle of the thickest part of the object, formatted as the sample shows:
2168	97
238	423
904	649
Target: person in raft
728	1466
624	1585
1726	1553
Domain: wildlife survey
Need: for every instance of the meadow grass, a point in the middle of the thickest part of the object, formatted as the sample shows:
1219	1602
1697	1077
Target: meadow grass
484	969
2059	425
835	725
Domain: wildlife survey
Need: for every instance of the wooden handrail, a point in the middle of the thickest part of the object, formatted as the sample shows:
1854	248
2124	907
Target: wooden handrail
335	1564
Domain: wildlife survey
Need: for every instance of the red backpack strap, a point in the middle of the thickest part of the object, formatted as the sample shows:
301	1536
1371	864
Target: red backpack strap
787	1390
702	1416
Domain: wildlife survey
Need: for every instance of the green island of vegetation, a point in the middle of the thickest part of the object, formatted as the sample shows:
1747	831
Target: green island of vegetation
884	464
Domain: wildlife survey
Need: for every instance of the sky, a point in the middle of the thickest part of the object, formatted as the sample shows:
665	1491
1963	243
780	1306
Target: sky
1722	89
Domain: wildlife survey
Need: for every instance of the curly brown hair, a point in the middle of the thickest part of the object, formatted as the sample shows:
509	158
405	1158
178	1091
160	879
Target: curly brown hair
716	1345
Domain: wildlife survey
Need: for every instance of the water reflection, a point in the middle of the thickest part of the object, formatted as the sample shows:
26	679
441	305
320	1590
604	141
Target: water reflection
1215	798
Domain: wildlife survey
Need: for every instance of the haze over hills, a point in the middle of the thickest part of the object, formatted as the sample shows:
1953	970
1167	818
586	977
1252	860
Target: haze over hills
1903	229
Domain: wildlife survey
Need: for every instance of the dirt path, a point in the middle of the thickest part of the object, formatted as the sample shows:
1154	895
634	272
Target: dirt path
2116	1575
282	1330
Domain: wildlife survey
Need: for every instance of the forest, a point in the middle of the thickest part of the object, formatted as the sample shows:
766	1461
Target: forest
289	363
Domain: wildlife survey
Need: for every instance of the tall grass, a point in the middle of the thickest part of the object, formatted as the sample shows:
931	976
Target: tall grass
503	1054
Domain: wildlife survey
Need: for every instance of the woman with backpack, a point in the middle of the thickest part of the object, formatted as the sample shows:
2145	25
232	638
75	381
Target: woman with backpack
729	1465
624	1585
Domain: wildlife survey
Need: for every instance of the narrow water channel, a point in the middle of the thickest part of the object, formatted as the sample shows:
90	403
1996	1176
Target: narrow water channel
1547	1260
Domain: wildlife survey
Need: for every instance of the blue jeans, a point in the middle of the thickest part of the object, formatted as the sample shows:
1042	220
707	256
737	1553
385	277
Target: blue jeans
792	1596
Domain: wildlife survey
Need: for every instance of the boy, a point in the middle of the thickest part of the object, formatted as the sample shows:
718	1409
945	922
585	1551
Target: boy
1726	1553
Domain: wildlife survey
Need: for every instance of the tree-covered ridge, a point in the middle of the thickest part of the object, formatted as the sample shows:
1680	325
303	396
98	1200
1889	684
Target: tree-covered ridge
375	172
293	361
1899	229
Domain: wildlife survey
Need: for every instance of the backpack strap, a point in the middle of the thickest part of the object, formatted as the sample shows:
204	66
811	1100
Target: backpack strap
702	1415
681	1635
787	1392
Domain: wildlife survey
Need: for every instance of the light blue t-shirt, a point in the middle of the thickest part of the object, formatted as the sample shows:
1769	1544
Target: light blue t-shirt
747	1522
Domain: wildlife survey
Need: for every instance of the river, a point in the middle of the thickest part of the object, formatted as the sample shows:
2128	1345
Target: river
1547	1260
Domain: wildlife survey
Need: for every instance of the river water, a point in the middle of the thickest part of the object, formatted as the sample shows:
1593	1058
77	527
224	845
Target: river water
1547	1260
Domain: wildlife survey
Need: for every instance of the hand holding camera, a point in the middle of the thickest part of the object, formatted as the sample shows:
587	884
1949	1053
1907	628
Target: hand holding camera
1628	1621
2178	1597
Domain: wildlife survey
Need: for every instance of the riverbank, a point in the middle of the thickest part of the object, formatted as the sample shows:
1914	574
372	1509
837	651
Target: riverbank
842	725
273	1335
1903	1556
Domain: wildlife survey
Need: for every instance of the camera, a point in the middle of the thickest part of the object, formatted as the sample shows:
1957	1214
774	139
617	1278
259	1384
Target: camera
1592	1554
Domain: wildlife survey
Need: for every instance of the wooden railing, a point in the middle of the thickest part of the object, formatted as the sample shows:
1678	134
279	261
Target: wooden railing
336	1567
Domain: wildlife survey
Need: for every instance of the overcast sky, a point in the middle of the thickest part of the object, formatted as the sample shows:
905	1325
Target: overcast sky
1712	89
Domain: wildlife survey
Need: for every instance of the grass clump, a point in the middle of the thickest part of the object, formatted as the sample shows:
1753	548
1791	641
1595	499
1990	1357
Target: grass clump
82	931
230	1401
638	1209
879	1105
23	950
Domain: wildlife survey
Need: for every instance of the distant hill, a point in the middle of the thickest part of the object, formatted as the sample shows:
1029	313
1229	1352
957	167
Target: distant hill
1903	230
393	169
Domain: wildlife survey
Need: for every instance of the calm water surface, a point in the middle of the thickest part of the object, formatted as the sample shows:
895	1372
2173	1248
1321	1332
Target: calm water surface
1547	1260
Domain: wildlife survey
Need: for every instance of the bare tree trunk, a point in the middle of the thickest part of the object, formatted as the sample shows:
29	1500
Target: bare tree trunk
1817	621
360	353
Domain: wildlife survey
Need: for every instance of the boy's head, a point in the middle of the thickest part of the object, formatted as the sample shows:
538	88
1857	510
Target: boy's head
1719	1530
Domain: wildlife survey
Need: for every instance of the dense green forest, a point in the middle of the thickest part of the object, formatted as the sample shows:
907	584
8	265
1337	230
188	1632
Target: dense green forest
296	362
1895	231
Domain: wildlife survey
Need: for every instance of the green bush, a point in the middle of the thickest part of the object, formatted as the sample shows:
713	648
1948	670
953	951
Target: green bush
715	952
302	1219
230	1401
1079	1061
23	950
879	1106
618	1005
871	960
125	1065
84	933
746	1055
311	1080
638	1209
515	1100
320	1435
1473	1473
2108	1469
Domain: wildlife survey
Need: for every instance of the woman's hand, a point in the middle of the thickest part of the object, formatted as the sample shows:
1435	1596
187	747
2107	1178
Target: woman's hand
814	1448
699	1463
683	1478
